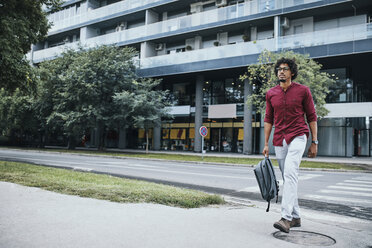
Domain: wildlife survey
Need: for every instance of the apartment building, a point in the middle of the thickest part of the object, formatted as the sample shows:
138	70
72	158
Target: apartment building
199	49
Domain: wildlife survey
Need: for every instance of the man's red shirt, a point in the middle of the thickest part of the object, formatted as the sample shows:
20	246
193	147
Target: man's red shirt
286	111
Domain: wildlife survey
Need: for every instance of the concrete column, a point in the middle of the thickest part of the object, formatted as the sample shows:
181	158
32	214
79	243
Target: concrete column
198	42
253	33
147	49
165	16
122	138
156	136
151	16
87	32
277	31
247	141
198	112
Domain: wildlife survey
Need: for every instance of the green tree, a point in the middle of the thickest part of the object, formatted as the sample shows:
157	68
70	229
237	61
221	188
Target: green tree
143	106
262	77
85	83
48	89
22	23
17	121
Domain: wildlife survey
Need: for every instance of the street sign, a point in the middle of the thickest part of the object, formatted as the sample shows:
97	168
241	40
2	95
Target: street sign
203	131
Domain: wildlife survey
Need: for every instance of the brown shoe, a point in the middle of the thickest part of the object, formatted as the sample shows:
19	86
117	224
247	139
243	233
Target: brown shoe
296	222
283	225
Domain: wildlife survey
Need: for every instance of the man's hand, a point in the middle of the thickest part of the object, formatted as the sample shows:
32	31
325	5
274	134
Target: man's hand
313	150
265	151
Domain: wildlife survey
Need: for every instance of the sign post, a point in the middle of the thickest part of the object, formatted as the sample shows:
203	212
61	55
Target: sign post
203	132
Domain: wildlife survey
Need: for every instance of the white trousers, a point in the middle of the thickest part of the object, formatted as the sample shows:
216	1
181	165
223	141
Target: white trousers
289	159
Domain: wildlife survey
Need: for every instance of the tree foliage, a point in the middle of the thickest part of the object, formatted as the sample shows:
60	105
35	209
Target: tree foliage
262	77
96	88
22	23
17	116
143	105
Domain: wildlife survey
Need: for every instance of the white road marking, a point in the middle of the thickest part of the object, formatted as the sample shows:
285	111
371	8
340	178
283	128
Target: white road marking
337	192
357	181
354	185
250	189
338	199
364	178
300	178
308	176
348	188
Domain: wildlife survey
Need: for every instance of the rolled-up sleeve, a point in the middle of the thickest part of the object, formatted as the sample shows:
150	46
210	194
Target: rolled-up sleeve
309	107
269	114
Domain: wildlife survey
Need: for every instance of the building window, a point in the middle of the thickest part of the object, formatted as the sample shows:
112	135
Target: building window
230	90
342	90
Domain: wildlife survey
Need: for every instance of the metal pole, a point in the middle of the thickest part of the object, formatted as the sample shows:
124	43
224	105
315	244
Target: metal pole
202	148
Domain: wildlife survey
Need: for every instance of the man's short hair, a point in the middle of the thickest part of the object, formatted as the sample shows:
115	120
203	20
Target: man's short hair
291	64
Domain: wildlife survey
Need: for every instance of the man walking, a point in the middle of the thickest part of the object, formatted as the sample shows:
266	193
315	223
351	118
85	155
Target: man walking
286	107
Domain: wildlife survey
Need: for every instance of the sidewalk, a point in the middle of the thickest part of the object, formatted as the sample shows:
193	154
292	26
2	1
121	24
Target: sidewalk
31	217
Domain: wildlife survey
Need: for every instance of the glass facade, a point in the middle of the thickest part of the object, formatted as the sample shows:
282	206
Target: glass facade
225	91
224	134
342	90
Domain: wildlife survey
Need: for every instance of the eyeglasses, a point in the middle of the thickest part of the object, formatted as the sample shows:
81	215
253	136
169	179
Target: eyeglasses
282	68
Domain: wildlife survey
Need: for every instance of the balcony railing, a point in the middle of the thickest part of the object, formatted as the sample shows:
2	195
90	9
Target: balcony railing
52	52
324	37
207	17
184	24
98	13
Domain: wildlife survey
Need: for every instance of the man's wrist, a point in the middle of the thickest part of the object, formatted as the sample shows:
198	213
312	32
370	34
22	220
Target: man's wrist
315	142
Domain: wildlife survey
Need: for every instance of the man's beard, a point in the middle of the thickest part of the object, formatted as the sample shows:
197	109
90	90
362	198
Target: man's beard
282	80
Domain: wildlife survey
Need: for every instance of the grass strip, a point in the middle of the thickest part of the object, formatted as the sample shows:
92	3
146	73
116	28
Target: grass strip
103	187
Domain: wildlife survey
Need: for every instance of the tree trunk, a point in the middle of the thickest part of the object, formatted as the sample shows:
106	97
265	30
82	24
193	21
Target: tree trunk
102	136
147	141
71	143
42	136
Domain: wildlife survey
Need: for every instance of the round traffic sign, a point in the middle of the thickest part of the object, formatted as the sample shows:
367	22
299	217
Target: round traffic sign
203	131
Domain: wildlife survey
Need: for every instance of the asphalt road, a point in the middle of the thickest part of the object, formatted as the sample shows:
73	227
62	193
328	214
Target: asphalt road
346	193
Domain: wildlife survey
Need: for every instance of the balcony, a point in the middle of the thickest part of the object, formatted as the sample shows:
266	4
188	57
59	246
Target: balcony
304	40
183	23
52	52
190	23
109	11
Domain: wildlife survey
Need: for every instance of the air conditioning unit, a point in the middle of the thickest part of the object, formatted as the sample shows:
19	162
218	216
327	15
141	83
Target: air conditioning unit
159	47
221	3
285	23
